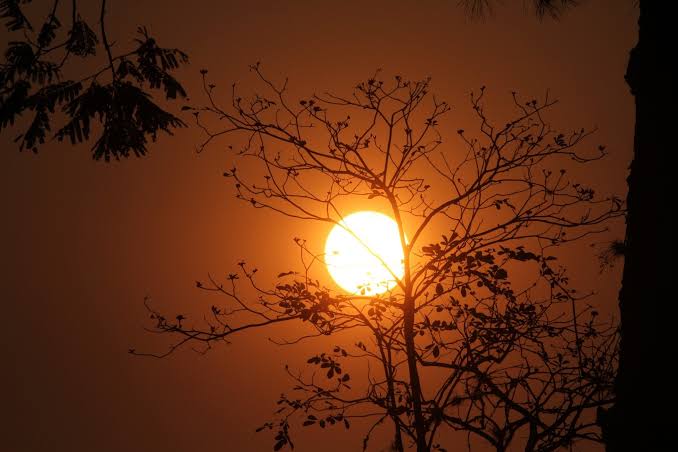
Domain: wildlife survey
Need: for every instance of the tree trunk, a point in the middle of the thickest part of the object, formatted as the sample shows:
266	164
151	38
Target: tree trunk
415	386
633	423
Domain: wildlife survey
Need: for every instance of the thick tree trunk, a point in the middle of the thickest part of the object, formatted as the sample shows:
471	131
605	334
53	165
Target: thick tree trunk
415	386
634	423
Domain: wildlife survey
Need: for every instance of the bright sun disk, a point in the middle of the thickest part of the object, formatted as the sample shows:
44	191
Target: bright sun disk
352	258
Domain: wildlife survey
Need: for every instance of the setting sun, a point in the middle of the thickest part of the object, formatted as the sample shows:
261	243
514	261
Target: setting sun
357	249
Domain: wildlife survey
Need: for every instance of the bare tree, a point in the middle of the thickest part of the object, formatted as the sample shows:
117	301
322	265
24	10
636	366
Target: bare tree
482	332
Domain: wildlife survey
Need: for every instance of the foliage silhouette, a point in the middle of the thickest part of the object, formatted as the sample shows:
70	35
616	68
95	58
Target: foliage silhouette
482	333
116	96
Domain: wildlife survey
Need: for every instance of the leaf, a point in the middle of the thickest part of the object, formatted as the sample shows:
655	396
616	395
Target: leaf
82	41
36	132
14	103
128	116
47	32
24	62
436	351
154	63
10	9
560	140
439	289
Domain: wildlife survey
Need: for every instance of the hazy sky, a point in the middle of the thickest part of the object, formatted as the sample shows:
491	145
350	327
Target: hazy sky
83	242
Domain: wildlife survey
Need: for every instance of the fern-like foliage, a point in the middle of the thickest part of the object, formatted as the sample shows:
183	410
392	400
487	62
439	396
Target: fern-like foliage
11	12
112	106
127	113
82	41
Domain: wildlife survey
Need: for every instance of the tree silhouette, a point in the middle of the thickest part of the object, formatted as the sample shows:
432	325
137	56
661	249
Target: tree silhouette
482	333
113	104
627	424
116	96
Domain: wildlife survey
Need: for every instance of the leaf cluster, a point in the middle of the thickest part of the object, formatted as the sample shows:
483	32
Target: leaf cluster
112	105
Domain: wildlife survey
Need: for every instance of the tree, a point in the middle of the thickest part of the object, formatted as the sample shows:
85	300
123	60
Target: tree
482	332
627	424
116	96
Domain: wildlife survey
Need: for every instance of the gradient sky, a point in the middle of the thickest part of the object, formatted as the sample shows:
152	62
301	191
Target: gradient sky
83	242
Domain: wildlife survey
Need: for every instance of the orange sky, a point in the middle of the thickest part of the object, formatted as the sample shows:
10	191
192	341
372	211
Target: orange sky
83	242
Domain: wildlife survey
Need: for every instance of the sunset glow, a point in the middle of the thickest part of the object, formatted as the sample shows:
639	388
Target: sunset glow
378	225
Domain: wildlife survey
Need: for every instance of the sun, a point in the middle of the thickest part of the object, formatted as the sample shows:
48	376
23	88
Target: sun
356	259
